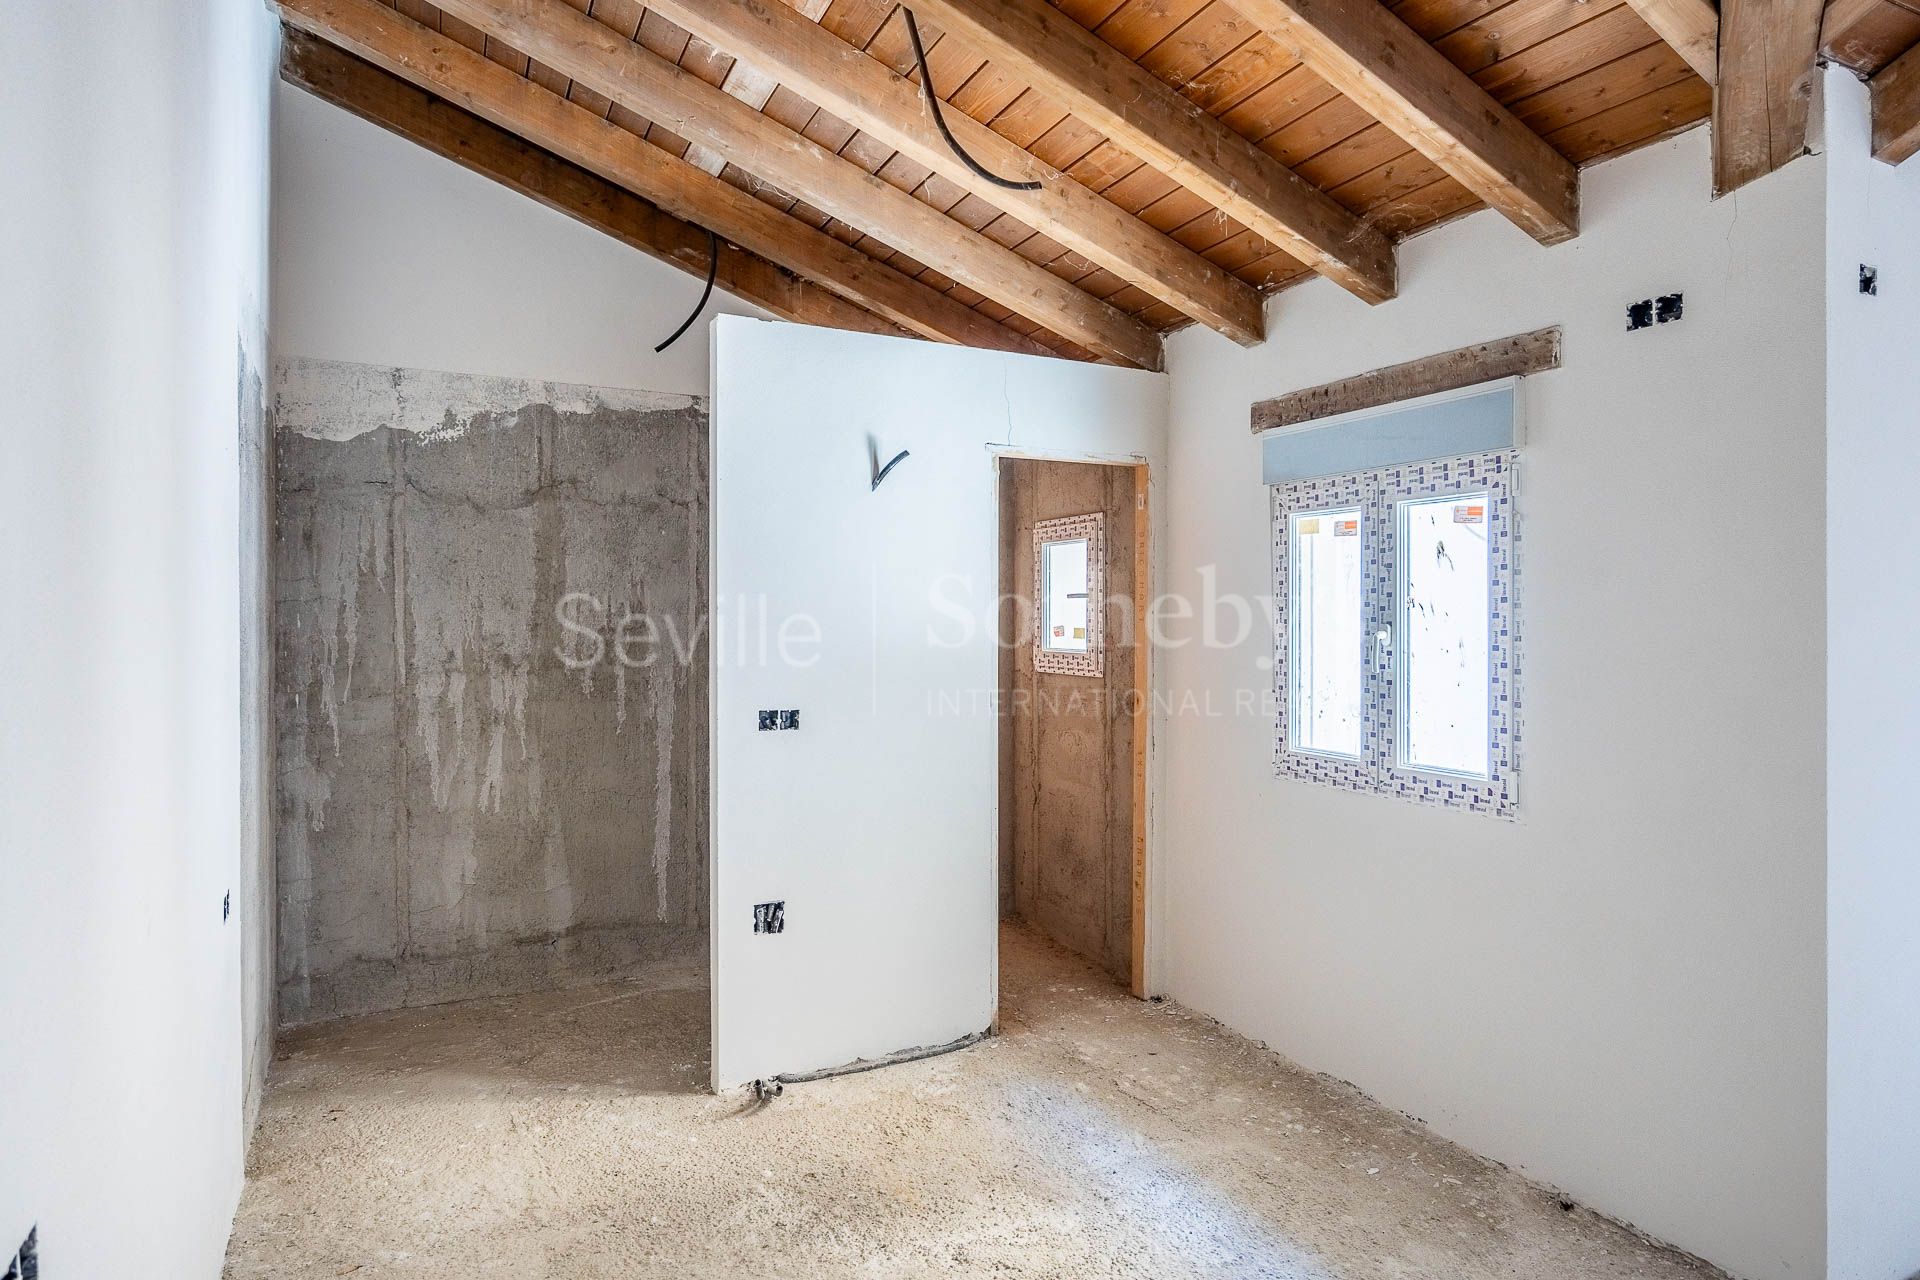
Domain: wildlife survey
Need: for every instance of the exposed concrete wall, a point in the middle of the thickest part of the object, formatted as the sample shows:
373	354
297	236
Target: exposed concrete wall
1067	767
254	894
487	783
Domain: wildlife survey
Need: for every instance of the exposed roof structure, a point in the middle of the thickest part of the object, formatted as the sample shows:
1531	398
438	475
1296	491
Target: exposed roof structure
1171	161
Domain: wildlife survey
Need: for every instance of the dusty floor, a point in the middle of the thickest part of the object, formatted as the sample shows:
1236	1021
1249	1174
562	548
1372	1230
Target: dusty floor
568	1135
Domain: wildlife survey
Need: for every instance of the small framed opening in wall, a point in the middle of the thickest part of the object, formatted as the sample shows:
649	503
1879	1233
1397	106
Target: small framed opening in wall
1069	579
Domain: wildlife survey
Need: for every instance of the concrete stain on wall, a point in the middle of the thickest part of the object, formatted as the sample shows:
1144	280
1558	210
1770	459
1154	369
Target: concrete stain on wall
256	898
466	805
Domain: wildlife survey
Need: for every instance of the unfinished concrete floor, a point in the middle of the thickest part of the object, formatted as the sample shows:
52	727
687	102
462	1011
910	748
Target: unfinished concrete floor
568	1135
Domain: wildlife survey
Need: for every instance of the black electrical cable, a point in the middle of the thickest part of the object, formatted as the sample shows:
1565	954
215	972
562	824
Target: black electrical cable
713	270
933	105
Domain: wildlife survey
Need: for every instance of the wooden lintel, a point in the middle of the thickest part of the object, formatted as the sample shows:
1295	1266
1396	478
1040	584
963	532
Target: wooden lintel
1517	356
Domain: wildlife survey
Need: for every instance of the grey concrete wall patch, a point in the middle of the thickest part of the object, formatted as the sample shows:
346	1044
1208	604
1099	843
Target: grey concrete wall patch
492	773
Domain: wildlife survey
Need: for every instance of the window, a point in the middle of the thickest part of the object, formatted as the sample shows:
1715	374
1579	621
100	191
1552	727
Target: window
1327	687
1069	558
1395	666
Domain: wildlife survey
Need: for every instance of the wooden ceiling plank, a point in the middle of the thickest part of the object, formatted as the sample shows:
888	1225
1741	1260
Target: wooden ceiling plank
1515	28
857	21
1372	57
1434	19
749	84
1249	70
1132	106
1636	122
1896	108
1192	49
627	72
420	11
624	16
860	89
1431	206
1614	34
1692	27
1764	88
1278	270
1136	28
1287	98
401	108
442	66
1578	97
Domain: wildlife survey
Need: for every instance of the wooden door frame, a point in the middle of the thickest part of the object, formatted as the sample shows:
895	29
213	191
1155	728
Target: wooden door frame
1142	688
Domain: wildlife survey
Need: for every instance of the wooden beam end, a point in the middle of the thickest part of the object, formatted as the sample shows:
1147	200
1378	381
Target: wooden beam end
1896	108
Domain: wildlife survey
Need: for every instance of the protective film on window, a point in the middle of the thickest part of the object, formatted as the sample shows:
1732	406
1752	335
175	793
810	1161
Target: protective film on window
1396	631
1443	620
1069	558
1326	682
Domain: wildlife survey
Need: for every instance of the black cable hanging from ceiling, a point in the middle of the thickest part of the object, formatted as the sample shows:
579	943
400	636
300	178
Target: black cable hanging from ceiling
713	270
933	105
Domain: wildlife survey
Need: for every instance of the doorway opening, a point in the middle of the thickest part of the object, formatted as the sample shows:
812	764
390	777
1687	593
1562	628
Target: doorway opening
1073	700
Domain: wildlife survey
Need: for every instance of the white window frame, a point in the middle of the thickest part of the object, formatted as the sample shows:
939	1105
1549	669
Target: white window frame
1380	768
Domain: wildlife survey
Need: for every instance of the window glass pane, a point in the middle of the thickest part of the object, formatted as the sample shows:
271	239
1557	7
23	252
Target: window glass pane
1064	573
1325	581
1443	640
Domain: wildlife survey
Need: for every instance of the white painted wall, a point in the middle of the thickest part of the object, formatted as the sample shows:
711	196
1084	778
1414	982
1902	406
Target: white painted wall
1873	703
386	254
132	243
1622	993
875	823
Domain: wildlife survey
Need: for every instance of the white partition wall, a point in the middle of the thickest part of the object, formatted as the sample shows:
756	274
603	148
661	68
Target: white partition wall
868	612
1873	705
136	969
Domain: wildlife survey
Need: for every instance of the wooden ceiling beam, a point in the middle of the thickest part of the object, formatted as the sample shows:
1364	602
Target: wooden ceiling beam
444	67
1765	87
1388	70
1896	108
575	45
380	97
1140	113
863	91
1691	27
